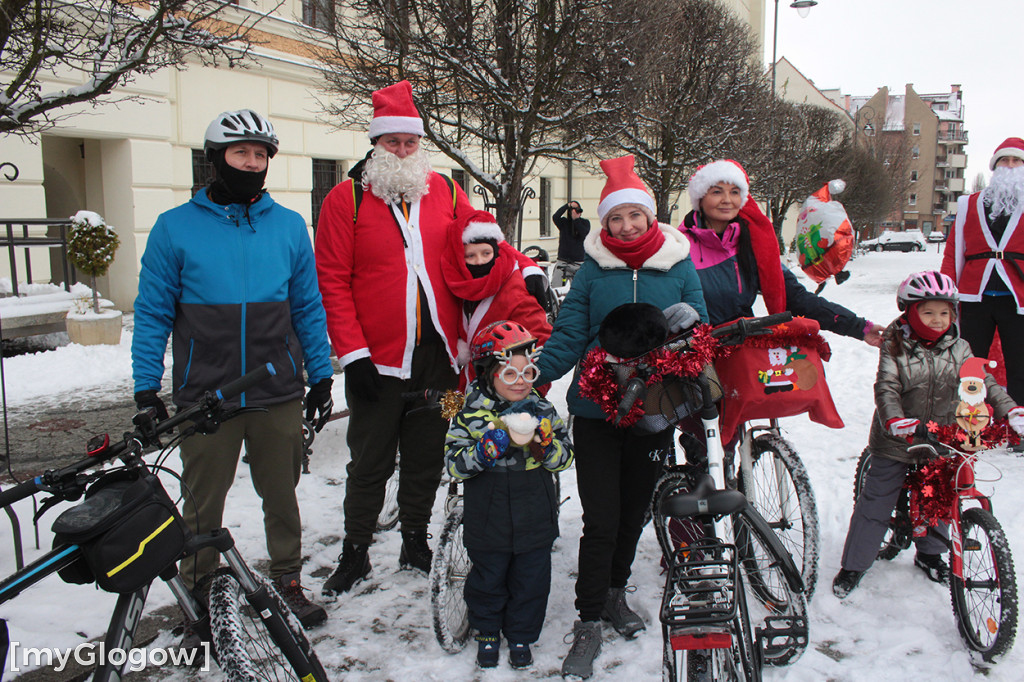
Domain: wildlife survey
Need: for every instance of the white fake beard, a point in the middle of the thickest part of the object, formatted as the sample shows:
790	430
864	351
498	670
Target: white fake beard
1006	191
393	179
971	399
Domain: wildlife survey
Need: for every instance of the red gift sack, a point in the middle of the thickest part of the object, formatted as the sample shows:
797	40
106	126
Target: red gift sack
777	375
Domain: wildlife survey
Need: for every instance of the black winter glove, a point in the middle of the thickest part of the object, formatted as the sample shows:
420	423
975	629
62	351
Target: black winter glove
319	403
537	285
147	401
363	379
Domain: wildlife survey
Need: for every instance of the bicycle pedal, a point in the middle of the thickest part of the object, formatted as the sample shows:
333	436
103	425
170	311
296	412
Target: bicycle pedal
781	634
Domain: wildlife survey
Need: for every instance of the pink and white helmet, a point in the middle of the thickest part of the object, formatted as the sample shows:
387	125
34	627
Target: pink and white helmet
929	285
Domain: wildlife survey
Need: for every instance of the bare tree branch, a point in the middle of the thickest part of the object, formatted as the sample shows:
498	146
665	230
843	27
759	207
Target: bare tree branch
105	44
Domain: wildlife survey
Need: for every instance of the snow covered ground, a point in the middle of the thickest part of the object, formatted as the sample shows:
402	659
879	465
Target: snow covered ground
896	626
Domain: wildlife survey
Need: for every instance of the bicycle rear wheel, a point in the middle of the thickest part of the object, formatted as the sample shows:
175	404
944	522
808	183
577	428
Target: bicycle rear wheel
899	533
778	487
985	599
244	637
448	574
765	579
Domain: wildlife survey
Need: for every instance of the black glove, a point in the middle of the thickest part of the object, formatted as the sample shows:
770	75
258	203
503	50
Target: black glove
319	403
537	285
363	379
149	401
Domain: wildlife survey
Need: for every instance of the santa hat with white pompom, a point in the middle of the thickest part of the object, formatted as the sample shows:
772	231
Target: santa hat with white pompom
975	368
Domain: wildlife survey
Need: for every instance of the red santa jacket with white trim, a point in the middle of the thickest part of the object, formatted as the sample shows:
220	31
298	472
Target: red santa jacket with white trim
368	274
971	235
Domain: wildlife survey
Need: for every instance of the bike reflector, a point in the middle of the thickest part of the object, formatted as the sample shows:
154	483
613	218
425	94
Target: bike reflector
702	640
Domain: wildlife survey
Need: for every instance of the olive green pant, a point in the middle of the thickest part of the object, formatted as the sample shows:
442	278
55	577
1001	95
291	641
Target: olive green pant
273	442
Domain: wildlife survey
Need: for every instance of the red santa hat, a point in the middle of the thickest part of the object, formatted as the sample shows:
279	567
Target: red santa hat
1011	146
974	368
623	186
709	175
478	226
395	112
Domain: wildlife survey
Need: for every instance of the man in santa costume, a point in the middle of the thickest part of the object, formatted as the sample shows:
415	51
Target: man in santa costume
393	325
985	255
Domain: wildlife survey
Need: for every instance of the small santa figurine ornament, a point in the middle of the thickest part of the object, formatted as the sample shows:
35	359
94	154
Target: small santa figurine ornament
973	414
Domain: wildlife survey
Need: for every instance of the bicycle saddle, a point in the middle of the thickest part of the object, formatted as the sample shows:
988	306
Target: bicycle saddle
704	499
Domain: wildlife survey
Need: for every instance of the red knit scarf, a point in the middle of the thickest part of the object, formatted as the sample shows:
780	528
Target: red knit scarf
636	252
464	285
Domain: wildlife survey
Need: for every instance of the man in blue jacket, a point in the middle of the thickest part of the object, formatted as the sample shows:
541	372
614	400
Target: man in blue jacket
231	273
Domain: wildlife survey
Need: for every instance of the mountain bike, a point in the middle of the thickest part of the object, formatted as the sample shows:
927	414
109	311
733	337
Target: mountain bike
708	627
983	584
128	532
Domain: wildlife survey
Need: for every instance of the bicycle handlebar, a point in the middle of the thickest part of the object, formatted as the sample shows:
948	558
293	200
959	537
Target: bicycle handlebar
430	395
734	333
64	482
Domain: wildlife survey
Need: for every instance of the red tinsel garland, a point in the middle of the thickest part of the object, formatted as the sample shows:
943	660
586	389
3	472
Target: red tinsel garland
598	381
782	337
933	485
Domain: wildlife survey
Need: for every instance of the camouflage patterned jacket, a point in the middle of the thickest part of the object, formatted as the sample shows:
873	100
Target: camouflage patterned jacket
513	506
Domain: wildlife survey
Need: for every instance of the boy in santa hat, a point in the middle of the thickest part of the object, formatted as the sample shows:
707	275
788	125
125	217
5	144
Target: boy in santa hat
923	370
486	273
736	252
984	255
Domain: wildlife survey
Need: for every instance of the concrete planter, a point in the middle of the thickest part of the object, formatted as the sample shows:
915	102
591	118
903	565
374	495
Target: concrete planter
93	330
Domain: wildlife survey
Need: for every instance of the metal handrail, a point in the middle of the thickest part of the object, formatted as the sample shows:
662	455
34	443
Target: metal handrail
24	241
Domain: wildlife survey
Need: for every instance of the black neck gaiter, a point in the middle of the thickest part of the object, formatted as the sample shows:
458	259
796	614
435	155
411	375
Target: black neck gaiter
481	270
234	186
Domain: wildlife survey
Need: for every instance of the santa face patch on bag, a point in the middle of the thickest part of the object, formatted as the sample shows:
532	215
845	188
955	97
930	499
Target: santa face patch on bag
777	375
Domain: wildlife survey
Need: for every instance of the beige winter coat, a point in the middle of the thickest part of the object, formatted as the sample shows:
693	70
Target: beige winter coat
922	383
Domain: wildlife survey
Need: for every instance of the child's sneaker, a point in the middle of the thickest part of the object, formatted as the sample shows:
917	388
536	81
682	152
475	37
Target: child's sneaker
487	651
519	655
933	566
845	582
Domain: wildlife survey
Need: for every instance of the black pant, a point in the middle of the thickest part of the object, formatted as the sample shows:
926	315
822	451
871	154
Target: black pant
616	471
978	324
508	593
376	430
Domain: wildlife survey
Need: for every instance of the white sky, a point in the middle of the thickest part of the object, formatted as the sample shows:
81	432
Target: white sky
860	45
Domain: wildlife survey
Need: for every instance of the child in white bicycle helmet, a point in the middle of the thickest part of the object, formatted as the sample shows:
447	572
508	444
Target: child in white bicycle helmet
504	445
917	382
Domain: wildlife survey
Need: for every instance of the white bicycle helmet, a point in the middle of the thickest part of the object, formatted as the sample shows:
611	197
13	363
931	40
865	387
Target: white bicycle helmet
928	285
244	125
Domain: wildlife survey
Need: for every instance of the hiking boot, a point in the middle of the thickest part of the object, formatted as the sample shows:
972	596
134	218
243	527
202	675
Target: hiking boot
519	655
308	613
586	645
624	619
845	582
487	651
353	566
933	566
415	551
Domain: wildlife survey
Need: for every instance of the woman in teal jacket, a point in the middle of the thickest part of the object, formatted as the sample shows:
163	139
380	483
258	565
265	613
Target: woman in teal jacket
631	259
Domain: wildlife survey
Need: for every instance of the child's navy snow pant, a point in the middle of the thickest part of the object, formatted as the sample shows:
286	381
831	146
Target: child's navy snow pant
872	512
508	593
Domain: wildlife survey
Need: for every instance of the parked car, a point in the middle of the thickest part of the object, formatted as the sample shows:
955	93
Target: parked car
908	240
936	237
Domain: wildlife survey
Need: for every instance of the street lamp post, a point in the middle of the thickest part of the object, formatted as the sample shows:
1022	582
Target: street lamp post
803	7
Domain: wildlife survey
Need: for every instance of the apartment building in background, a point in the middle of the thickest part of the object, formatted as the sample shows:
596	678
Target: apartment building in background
934	128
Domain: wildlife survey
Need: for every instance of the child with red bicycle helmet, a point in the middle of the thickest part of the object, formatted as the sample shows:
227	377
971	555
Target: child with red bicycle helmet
918	381
504	445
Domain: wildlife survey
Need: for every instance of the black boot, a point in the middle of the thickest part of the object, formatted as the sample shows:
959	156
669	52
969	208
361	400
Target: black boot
353	566
415	551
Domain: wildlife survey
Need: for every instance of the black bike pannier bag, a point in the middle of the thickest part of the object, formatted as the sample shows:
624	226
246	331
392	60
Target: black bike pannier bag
128	528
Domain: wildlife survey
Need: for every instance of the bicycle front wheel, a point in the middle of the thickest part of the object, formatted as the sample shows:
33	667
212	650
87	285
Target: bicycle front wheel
778	487
250	641
672	533
767	582
448	574
985	599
